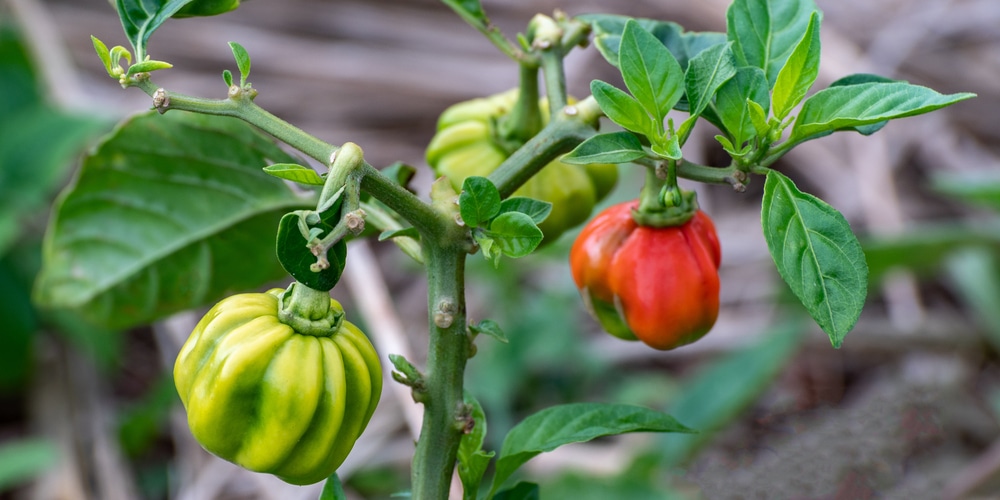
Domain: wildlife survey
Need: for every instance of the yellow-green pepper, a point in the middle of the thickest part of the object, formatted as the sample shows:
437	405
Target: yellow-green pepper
270	399
464	146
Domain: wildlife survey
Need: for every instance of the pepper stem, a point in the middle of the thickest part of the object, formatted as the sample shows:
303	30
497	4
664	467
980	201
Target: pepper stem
662	203
308	311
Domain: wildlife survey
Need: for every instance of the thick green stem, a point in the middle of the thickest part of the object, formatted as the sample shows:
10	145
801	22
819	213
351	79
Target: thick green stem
437	448
649	198
555	80
558	137
525	120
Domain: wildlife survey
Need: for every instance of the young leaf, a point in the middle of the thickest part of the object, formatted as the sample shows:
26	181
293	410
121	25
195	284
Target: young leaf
333	489
227	76
650	71
469	10
816	253
103	54
851	106
488	245
479	201
758	116
732	104
671	149
765	32
520	491
622	108
707	71
799	71
295	173
538	210
515	234
140	18
472	460
614	147
147	66
574	423
406	232
242	61
490	328
148	229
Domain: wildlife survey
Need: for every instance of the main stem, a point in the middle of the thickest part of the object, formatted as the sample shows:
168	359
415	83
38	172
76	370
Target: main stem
437	448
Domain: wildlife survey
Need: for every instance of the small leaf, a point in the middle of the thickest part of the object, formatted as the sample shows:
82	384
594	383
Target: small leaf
296	258
538	210
622	108
817	254
852	106
117	53
472	460
227	76
520	491
614	147
469	10
102	53
140	18
490	328
295	173
670	150
479	201
574	423
515	234
650	71
242	61
765	32
706	72
758	116
24	459
799	71
147	66
333	489
733	105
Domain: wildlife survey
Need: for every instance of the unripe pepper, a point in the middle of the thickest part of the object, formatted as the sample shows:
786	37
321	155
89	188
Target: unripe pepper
465	146
262	395
659	285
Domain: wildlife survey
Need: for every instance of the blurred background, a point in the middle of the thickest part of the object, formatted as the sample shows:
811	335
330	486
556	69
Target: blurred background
908	408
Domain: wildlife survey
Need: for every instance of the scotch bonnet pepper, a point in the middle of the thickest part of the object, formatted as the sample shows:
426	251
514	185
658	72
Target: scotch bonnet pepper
464	146
659	285
270	399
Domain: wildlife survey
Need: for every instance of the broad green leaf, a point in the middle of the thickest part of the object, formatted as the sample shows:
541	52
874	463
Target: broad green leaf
574	423
479	201
170	212
472	460
851	106
24	459
622	108
816	253
490	328
333	489
520	491
515	234
295	173
242	61
683	45
140	18
650	71
863	78
614	147
731	104
976	187
924	248
765	32
297	259
719	391
799	71
707	71
538	210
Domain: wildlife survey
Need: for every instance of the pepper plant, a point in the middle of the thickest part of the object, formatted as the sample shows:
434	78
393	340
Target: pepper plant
280	382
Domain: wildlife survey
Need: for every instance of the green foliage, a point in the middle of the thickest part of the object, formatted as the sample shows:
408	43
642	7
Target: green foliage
613	147
242	62
650	72
141	423
23	459
765	32
140	18
732	105
520	491
295	235
472	460
707	72
799	71
168	213
501	228
489	328
816	254
333	489
295	173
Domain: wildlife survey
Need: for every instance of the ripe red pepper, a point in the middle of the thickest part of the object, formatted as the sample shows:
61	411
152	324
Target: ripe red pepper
656	284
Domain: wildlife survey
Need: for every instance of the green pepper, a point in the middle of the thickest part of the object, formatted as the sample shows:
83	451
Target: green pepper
264	396
465	145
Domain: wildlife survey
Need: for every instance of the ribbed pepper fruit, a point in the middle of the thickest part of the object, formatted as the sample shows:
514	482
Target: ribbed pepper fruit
265	397
201	8
657	285
464	146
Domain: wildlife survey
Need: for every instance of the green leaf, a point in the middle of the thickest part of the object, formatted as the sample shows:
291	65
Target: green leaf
799	71
864	78
295	173
852	106
622	108
817	254
20	327
297	259
479	201
923	248
706	72
406	232
538	210
490	328
574	423
102	53
170	212
470	10
733	105
24	459
227	76
614	147
670	150
147	66
650	71
765	32
515	234
723	388
976	187
520	491
683	45
242	61
333	489
472	460
140	18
